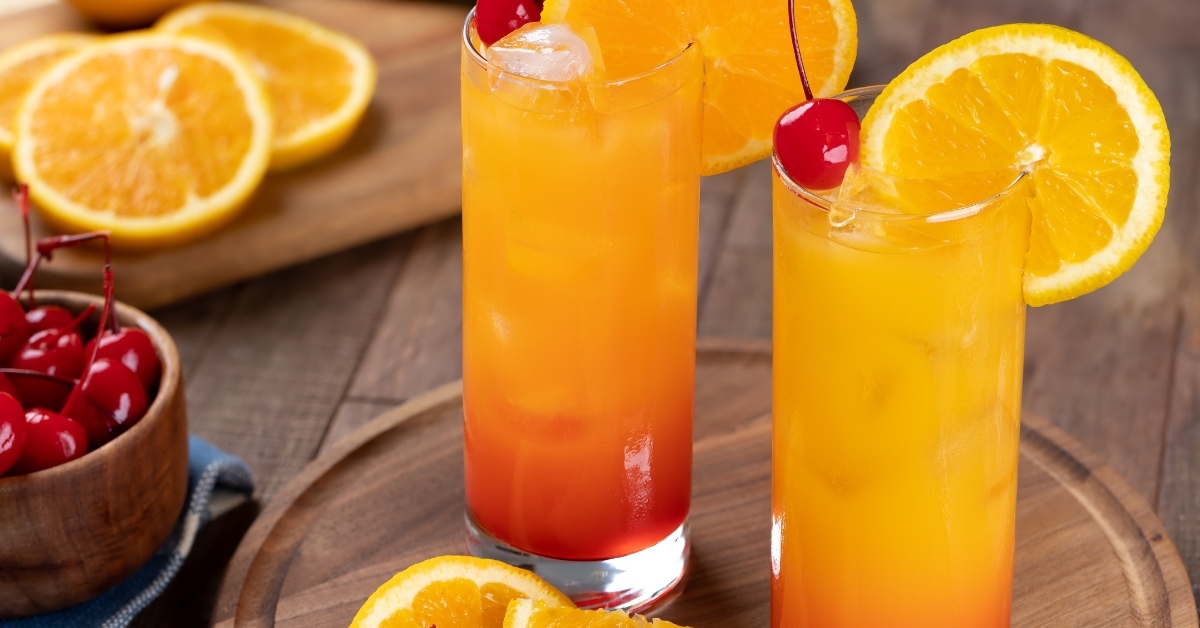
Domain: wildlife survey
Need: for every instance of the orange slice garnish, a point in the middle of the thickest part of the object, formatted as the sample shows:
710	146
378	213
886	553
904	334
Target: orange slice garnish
970	116
750	71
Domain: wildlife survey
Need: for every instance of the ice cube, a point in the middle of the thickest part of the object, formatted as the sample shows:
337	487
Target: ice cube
864	189
548	52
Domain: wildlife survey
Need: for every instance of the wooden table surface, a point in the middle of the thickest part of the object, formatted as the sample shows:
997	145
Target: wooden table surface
280	367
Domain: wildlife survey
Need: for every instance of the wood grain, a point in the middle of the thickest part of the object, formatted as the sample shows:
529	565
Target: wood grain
1089	551
401	168
419	346
737	298
273	374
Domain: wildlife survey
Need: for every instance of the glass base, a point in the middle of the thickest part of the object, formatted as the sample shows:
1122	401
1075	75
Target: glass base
634	583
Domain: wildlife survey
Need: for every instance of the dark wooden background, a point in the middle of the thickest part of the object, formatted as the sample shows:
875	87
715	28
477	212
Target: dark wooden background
280	367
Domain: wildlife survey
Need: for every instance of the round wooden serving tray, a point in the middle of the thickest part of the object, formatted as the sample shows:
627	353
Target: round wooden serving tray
1090	552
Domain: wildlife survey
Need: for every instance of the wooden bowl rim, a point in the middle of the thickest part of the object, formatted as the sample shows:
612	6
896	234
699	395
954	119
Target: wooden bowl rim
125	444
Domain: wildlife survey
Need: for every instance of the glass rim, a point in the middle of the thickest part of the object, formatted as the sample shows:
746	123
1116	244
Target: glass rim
825	204
479	58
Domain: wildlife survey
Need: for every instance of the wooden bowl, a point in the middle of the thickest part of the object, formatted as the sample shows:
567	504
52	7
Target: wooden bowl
69	533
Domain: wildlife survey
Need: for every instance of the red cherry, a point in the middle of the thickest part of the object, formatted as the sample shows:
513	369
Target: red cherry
99	427
111	402
12	432
14	329
496	18
45	317
6	385
57	352
50	440
816	141
131	347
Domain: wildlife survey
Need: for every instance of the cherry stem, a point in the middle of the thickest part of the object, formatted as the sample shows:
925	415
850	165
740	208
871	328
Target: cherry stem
46	247
39	375
87	311
21	195
27	278
54	242
45	250
808	95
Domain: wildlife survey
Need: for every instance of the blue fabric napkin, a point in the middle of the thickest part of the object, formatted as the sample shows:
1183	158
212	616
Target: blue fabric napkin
208	467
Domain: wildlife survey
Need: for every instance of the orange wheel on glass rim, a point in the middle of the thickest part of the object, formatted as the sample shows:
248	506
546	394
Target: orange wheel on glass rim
1048	101
750	68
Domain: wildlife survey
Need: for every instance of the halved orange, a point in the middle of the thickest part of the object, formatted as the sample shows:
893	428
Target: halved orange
970	116
157	139
320	81
533	614
750	69
453	592
19	67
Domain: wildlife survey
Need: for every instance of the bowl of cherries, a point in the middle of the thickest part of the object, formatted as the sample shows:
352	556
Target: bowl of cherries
93	442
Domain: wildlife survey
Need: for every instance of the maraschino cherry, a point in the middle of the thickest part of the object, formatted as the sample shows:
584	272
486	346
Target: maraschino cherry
50	440
110	401
12	431
816	140
14	329
57	352
45	317
109	398
496	18
131	347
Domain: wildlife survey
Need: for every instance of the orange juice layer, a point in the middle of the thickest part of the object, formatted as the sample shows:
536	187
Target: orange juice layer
897	390
580	227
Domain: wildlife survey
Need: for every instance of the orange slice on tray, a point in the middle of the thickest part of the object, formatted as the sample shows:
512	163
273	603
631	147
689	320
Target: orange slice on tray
532	614
20	66
453	592
320	81
158	139
970	116
750	70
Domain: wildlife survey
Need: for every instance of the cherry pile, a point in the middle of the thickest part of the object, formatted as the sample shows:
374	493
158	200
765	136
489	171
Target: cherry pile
817	140
66	388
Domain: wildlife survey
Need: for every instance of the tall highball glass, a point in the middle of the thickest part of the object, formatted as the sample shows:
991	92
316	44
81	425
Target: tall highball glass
898	344
580	230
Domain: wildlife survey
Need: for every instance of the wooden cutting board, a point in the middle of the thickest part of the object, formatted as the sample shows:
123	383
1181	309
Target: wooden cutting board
1090	552
401	168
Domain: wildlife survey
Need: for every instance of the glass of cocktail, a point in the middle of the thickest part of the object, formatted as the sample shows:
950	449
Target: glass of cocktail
897	392
580	230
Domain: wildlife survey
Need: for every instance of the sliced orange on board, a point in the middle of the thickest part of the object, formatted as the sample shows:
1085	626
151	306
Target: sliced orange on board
972	115
20	66
158	139
750	69
319	81
454	592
